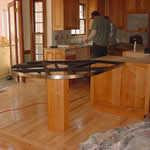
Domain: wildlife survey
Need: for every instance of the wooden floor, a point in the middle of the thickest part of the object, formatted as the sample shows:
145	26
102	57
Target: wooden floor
26	129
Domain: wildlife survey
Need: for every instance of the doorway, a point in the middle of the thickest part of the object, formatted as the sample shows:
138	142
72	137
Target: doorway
15	34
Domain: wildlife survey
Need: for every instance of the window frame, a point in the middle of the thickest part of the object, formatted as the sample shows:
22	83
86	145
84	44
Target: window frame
43	33
84	19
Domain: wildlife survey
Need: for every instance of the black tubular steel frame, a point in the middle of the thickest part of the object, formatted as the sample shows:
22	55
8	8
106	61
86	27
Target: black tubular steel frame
72	68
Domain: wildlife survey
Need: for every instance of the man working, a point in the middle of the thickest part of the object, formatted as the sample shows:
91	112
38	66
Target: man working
99	35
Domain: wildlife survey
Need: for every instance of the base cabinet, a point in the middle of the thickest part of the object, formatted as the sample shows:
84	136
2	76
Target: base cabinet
67	54
116	10
123	91
54	55
83	53
116	51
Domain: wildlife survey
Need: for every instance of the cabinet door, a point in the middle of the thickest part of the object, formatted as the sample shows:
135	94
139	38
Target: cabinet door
117	12
51	54
58	14
138	6
75	14
60	55
65	14
143	5
131	5
83	53
101	7
122	15
68	14
71	14
92	5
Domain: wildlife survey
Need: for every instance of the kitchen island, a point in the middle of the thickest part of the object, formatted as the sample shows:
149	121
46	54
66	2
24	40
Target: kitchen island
123	91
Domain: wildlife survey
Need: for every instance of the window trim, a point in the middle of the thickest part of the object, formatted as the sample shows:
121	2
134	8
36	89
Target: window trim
85	21
34	33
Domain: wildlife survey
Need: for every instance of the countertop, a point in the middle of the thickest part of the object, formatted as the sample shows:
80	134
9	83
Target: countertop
125	46
121	46
141	60
70	46
137	51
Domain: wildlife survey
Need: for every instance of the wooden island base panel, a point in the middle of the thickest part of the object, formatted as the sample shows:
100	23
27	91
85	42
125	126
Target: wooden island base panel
123	91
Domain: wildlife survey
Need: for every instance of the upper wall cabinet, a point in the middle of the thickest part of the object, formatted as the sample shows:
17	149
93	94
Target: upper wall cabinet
92	5
116	12
65	14
138	6
131	5
101	6
115	9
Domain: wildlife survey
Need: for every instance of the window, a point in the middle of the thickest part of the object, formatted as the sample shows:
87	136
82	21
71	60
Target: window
39	29
82	29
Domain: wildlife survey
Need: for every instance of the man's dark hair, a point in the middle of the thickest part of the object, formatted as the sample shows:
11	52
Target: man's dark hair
95	13
106	17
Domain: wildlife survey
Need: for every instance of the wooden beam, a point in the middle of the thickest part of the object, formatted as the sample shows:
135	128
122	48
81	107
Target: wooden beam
58	104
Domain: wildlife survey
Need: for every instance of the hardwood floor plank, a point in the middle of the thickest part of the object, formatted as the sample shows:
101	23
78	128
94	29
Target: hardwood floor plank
27	129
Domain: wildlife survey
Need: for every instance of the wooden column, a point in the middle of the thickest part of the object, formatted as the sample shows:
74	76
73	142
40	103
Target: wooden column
58	104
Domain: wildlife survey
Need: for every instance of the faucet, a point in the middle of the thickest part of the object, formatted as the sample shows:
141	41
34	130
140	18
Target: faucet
134	47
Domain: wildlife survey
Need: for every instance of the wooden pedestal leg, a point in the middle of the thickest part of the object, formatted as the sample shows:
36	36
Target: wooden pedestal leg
58	104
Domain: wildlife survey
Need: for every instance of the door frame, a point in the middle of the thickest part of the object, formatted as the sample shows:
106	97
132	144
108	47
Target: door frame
20	23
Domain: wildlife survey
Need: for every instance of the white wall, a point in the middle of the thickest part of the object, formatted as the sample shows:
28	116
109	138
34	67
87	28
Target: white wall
4	18
4	61
4	3
49	22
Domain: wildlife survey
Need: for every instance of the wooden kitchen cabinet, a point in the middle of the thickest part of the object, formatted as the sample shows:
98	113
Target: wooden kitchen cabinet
115	51
54	54
83	53
115	9
138	6
92	6
143	5
116	12
131	5
75	14
101	6
65	14
67	54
